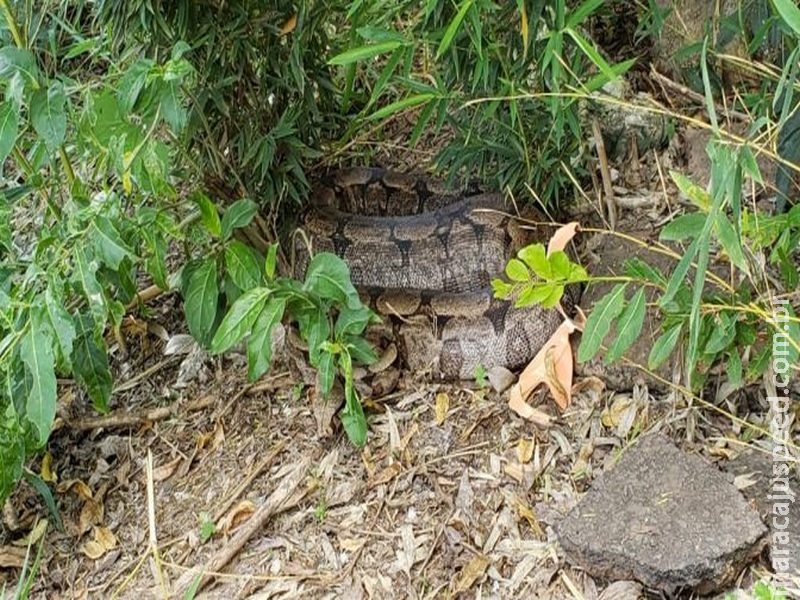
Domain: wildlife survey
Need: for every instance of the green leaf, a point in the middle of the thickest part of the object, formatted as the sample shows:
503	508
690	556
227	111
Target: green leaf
239	214
698	196
535	256
259	344
12	451
316	334
155	263
90	362
172	106
722	334
364	52
734	369
629	327
789	12
328	276
36	351
758	364
684	227
517	271
18	60
108	244
599	322
678	275
243	265
201	293
731	241
401	105
40	486
326	373
577	16
360	349
353	419
240	319
9	126
452	28
48	115
554	296
638	269
271	262
85	276
208	213
560	265
664	346
352	321
534	294
502	289
63	327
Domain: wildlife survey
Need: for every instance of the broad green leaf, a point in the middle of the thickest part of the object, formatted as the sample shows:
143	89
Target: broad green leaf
17	60
243	265
501	289
352	321
172	106
364	52
534	294
731	241
63	327
326	373
239	214
560	265
90	362
684	227
132	83
452	28
271	261
535	256
36	351
201	293
722	334
240	319
48	115
758	364
85	276
208	213
316	335
109	245
698	196
517	271
328	276
629	327
360	349
155	263
599	322
12	451
554	296
259	344
664	346
9	126
734	369
789	12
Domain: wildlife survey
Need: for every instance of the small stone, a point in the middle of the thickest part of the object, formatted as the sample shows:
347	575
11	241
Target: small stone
500	378
664	518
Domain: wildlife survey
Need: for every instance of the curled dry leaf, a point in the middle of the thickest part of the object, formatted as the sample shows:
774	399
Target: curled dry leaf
552	366
442	406
46	472
103	541
165	471
562	237
236	516
473	571
33	536
83	491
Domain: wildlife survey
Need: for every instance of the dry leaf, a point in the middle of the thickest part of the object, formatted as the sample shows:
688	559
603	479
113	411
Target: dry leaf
442	406
218	437
553	366
33	536
514	470
525	450
526	512
11	557
165	471
351	545
91	514
289	26
46	472
237	515
472	572
562	237
102	542
77	486
386	475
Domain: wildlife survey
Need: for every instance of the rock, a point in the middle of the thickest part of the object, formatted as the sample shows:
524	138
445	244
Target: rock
664	518
753	472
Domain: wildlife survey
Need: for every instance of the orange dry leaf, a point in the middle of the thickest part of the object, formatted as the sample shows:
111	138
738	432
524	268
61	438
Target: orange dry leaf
289	26
562	237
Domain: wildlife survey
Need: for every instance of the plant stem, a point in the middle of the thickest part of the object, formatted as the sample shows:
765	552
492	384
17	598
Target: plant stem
12	24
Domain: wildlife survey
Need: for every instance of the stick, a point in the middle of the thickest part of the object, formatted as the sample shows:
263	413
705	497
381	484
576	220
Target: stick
132	419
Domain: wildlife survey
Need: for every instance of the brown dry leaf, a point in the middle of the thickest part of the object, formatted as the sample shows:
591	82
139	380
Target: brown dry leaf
103	541
553	366
562	237
46	472
33	536
515	471
165	471
526	512
237	515
91	514
386	475
525	450
472	572
351	544
289	26
75	485
11	557
591	384
442	406
218	436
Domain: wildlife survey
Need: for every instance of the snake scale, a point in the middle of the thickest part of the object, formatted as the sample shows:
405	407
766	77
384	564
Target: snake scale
426	256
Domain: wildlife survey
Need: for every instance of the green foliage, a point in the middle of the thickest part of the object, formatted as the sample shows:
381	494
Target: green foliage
207	527
501	76
92	207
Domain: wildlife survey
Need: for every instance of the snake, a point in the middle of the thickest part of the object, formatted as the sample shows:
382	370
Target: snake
424	256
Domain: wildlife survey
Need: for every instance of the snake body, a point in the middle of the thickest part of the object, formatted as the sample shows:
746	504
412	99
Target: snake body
426	256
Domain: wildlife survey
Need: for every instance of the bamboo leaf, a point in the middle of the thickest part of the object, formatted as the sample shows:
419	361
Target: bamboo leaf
629	327
599	322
